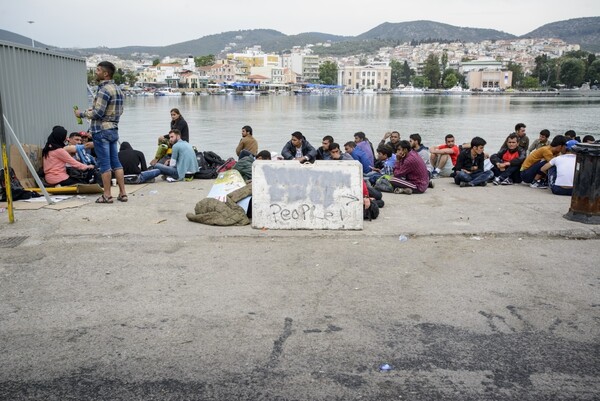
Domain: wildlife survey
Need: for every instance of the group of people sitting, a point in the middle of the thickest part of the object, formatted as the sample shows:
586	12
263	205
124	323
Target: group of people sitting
395	165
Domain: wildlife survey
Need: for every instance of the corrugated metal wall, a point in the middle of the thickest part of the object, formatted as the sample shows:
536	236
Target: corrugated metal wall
39	89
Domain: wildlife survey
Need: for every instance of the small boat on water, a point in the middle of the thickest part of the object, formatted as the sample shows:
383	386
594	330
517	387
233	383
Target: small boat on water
408	90
167	92
457	90
251	92
368	91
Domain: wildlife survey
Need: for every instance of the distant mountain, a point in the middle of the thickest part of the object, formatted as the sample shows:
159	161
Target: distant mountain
584	31
428	30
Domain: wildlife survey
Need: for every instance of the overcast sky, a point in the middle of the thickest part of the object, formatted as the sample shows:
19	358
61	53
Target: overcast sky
120	23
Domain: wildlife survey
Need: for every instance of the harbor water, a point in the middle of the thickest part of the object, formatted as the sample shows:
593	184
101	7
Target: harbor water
215	122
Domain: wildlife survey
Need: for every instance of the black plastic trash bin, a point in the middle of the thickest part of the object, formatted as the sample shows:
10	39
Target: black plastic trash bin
585	201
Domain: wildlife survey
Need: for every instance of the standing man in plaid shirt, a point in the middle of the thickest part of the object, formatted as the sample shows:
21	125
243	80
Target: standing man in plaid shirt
105	114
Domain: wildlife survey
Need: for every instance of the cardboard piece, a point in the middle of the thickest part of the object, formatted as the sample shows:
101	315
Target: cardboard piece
34	153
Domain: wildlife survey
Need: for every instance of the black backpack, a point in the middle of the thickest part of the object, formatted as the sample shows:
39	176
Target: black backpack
202	163
372	212
213	159
206	173
17	190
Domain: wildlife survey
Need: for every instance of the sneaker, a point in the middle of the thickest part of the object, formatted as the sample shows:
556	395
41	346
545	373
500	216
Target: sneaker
171	179
406	191
464	184
507	181
496	181
539	184
431	184
483	184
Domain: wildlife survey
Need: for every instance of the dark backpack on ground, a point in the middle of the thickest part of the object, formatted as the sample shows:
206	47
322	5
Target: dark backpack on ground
213	159
206	173
202	163
372	212
17	190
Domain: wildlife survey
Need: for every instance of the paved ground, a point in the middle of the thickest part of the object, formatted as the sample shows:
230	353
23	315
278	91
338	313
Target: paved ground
495	296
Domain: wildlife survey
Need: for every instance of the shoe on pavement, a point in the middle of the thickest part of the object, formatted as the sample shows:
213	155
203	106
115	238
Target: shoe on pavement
538	184
464	184
496	181
507	181
431	184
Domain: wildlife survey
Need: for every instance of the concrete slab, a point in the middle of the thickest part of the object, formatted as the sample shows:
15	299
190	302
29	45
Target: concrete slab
326	195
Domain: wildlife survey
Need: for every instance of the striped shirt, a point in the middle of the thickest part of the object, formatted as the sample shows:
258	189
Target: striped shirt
107	108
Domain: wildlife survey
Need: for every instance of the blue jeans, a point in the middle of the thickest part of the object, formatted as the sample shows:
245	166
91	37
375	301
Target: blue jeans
107	152
148	175
529	174
557	190
473	179
511	172
166	170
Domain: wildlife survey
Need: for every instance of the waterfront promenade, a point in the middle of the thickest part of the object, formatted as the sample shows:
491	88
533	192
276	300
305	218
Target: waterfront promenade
495	296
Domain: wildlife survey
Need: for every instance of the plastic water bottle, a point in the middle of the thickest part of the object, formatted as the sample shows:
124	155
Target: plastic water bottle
79	119
403	238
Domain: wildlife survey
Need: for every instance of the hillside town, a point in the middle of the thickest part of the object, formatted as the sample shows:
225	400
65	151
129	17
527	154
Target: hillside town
483	66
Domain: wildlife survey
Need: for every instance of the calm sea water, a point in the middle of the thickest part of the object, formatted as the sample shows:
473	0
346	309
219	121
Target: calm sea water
215	122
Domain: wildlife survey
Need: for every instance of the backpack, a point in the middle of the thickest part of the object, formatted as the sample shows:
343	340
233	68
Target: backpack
213	159
202	163
206	173
372	212
17	190
227	165
384	185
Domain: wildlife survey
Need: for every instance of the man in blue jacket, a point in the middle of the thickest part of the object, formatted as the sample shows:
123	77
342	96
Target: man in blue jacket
359	155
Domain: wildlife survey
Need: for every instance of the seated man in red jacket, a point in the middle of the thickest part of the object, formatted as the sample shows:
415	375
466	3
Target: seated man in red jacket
507	162
410	172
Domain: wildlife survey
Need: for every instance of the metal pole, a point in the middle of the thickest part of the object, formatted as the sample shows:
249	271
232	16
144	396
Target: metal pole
34	173
11	216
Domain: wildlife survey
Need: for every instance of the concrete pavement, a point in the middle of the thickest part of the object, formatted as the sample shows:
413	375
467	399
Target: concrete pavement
494	296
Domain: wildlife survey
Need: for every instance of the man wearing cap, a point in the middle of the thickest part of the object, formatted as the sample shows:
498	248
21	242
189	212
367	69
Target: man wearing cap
561	171
531	167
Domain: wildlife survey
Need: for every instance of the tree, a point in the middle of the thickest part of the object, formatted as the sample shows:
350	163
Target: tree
444	60
118	77
530	82
594	72
131	78
407	73
396	74
203	61
451	77
431	70
155	62
545	70
517	74
328	73
572	72
421	82
91	77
